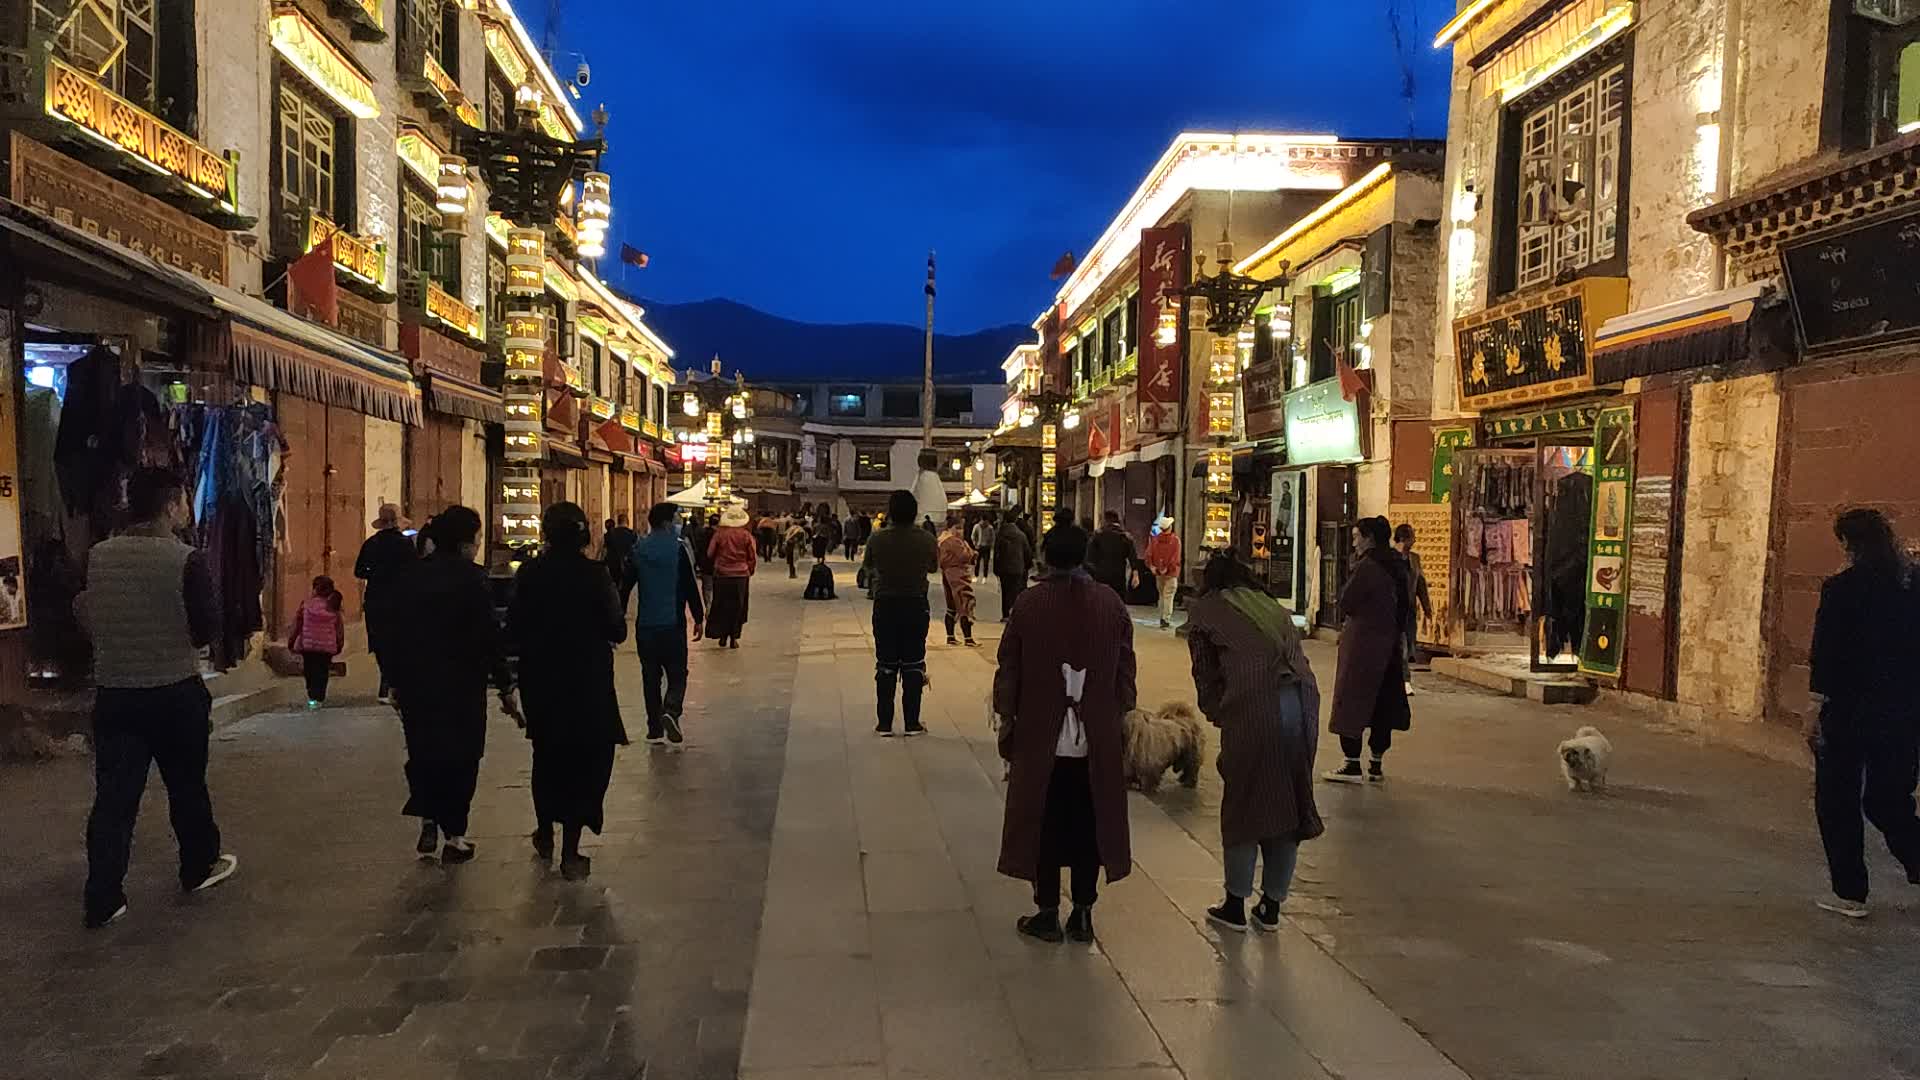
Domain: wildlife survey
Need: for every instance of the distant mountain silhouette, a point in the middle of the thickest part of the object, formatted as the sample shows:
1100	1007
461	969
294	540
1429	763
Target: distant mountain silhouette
767	347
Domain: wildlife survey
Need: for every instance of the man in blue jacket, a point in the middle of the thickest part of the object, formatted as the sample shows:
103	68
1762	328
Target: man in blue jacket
667	594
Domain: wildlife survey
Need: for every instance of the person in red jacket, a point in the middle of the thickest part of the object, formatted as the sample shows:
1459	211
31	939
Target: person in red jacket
1163	558
733	552
318	633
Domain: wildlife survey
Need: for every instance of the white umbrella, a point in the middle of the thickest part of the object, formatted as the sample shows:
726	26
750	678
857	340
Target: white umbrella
693	496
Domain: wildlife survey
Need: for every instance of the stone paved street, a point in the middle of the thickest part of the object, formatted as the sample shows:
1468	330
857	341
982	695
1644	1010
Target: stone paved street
792	897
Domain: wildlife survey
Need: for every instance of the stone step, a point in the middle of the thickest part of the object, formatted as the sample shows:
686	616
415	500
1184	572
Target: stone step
1548	688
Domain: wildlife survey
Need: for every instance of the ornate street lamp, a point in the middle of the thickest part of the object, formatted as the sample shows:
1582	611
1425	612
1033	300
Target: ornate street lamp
1230	297
525	168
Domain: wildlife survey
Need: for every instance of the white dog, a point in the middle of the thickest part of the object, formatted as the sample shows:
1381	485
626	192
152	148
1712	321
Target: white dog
1173	738
1584	760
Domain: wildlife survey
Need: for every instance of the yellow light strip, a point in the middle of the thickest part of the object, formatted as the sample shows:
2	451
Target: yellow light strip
555	92
1458	24
1321	213
1609	26
312	55
418	153
75	97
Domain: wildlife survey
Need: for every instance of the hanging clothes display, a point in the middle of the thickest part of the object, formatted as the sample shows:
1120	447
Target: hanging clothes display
231	459
1494	494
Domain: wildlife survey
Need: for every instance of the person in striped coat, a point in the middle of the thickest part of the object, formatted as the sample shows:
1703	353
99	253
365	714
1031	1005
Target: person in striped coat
1255	685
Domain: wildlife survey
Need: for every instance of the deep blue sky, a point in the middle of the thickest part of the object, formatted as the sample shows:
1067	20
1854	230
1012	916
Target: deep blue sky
802	155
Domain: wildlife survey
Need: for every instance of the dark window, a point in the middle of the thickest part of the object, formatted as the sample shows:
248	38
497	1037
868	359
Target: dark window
1564	175
423	33
1133	325
1078	373
660	405
900	404
496	290
1344	328
823	461
1262	339
954	404
593	366
133	27
846	401
1090	351
1114	336
1881	66
873	462
499	102
421	248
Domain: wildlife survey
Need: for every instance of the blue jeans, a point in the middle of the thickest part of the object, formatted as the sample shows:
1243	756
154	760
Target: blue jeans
1278	856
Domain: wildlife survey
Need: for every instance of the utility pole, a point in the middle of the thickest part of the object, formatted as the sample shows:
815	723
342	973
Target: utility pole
926	379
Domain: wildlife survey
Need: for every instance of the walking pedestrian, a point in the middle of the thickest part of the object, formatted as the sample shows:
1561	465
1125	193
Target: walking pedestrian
699	536
822	536
1065	678
1255	685
384	559
1417	588
318	634
899	558
565	620
1866	740
855	534
732	552
982	538
616	549
1062	519
448	649
1164	560
1012	559
1369	696
669	600
1110	557
149	608
956	579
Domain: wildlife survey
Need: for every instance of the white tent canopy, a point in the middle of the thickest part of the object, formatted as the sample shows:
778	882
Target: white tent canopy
973	498
693	496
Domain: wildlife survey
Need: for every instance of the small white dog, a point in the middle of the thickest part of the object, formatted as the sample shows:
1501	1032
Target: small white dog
1584	760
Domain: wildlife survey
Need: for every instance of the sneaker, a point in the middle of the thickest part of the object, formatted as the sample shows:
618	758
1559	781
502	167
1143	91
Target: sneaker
576	867
458	849
543	842
885	731
429	838
1266	915
1345	774
1042	925
951	640
312	704
1080	924
914	729
95	922
223	868
972	644
1376	774
1229	914
672	724
1166	624
1852	909
1409	687
655	738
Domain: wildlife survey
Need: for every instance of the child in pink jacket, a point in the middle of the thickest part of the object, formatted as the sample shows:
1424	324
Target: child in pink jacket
319	632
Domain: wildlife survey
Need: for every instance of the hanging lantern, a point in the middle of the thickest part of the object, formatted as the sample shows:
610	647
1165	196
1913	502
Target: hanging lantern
1219	526
526	262
525	344
1219	472
591	245
714	430
596	203
979	464
689	404
1049	437
1223	364
748	432
740	407
520	506
1280	324
1220	414
451	194
1070	421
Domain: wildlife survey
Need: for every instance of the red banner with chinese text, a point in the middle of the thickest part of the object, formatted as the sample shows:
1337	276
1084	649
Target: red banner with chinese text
1163	273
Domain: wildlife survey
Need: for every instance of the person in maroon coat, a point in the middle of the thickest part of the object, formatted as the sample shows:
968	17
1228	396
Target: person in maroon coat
1066	677
1369	695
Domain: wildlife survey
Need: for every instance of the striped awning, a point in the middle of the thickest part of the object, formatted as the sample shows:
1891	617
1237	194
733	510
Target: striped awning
277	350
450	396
1696	332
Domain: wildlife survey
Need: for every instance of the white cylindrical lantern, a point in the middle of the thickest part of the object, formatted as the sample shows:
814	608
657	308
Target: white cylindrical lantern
592	245
526	263
596	203
451	193
519	505
526	344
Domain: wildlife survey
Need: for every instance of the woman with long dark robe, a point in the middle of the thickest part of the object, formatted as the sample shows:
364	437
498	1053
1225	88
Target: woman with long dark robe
1369	695
1066	677
566	619
448	649
1255	685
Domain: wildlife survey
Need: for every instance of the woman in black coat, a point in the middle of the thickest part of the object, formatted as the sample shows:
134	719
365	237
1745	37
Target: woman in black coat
566	618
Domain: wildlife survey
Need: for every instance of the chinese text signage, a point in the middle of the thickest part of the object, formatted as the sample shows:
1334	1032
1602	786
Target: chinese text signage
1322	426
1163	273
73	194
1534	348
1606	625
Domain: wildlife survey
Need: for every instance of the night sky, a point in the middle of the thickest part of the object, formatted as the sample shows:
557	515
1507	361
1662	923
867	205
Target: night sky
802	155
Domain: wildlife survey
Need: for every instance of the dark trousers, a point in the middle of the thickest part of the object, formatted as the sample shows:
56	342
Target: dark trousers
1870	772
1010	589
852	546
318	668
1067	837
663	658
132	729
966	625
440	783
1379	740
983	561
386	688
900	655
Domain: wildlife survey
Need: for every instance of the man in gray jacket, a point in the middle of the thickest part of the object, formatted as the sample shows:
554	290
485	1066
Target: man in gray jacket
149	608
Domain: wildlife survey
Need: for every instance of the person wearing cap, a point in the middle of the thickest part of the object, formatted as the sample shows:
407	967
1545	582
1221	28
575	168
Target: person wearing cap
1163	558
384	559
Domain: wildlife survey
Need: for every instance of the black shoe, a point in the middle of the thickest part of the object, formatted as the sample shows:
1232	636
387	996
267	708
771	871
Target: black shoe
914	729
429	838
972	644
1346	774
655	738
452	853
1043	925
733	643
951	640
575	867
96	920
1266	914
1229	914
885	731
1080	924
543	842
672	724
1375	774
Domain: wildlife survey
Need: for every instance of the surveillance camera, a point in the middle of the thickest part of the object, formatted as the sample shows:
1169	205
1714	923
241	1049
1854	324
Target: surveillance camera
583	75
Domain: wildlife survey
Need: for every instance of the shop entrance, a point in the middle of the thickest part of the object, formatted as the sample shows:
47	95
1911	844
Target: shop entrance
1287	525
1522	514
1336	508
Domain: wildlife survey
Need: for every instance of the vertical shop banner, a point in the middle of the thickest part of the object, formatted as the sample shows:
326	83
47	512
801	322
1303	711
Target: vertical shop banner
1445	442
1607	543
13	589
1163	273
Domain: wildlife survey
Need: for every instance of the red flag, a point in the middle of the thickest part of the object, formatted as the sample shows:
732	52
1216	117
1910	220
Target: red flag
1063	266
312	290
633	256
1352	383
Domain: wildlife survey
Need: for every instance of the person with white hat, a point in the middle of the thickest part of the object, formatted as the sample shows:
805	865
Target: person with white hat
734	552
1163	558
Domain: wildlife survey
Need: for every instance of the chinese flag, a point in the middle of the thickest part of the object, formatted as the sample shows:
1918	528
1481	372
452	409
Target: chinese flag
1352	383
312	290
1063	266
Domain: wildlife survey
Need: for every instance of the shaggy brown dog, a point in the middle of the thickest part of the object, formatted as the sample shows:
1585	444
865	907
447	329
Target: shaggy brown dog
1173	738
